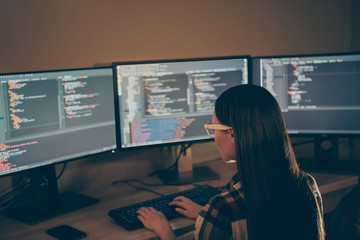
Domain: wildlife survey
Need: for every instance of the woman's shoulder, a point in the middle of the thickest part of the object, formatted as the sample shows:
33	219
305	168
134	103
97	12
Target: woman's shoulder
229	203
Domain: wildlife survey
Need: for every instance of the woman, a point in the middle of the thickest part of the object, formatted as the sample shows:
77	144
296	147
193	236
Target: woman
269	197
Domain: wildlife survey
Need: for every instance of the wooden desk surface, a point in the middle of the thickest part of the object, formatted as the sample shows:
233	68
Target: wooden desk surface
98	225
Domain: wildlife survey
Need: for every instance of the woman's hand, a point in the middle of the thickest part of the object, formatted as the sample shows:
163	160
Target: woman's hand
186	207
156	222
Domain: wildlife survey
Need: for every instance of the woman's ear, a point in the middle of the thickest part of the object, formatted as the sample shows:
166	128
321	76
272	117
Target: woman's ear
232	138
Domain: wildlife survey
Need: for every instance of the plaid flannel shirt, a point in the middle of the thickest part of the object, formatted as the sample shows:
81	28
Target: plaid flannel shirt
224	217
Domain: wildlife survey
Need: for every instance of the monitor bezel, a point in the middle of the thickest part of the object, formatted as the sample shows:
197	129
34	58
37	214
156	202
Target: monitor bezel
306	134
174	60
316	162
112	151
306	55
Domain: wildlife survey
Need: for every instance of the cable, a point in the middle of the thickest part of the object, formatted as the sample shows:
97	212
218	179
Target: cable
169	168
13	196
9	196
139	188
20	186
62	171
301	143
147	184
151	184
17	200
5	190
141	182
182	151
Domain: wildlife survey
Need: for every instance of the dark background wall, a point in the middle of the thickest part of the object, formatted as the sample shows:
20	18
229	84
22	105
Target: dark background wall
46	35
40	34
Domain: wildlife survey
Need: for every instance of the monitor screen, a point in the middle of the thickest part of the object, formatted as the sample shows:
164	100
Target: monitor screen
164	102
318	94
53	116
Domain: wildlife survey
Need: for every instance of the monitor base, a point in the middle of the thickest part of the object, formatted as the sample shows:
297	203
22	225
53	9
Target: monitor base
67	202
198	174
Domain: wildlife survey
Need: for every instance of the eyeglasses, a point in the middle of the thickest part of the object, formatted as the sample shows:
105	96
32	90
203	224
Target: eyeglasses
211	127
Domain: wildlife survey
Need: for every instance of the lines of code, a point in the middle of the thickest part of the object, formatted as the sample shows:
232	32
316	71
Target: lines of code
159	129
16	101
208	86
76	98
49	116
166	95
312	83
205	96
297	90
171	101
321	84
32	106
9	151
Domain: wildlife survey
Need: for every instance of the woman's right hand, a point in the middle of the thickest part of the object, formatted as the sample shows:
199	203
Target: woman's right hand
186	207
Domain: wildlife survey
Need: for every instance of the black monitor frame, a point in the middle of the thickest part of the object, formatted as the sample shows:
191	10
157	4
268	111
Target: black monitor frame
326	144
181	142
45	200
169	176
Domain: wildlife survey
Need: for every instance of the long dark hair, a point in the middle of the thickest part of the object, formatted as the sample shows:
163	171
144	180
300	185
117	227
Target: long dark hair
279	201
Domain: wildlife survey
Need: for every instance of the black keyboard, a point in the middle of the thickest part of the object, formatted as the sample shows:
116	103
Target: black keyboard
127	216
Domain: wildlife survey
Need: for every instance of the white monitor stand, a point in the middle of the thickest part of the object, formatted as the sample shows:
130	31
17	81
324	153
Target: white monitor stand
185	172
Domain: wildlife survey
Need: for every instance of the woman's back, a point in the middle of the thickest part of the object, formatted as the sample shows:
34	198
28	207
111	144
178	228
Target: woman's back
277	196
225	216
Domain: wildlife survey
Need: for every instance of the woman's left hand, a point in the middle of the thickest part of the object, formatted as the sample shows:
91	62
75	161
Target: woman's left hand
156	222
186	207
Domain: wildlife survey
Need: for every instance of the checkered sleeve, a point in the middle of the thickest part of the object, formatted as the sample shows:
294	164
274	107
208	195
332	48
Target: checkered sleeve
213	221
234	180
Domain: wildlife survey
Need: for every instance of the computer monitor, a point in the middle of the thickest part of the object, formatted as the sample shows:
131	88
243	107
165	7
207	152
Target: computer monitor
51	117
319	96
169	101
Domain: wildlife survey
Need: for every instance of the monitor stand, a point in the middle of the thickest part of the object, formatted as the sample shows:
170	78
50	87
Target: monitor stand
185	173
326	151
327	158
326	154
46	202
